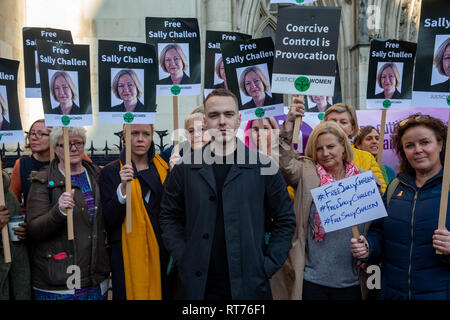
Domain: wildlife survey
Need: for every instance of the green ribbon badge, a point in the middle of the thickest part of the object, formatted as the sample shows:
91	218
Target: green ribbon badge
321	116
299	1
175	90
302	84
386	103
128	117
259	112
65	120
448	100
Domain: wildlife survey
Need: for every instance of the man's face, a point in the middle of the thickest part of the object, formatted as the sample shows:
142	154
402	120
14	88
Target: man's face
222	118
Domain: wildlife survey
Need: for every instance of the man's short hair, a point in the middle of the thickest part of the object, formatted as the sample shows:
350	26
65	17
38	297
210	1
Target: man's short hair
222	93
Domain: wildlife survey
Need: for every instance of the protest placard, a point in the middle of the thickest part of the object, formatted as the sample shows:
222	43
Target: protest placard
65	84
348	202
391	65
432	73
127	82
10	123
177	41
30	57
215	76
248	65
306	50
10	126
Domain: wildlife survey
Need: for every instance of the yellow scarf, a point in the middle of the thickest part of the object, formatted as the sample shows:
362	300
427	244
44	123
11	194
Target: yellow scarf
140	248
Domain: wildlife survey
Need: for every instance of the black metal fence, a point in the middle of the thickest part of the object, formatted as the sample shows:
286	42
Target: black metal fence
99	157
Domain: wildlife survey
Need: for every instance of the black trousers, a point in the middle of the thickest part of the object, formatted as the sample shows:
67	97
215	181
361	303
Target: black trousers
312	291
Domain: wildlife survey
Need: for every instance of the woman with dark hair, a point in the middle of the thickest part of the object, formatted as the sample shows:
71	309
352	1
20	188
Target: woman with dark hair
406	241
368	140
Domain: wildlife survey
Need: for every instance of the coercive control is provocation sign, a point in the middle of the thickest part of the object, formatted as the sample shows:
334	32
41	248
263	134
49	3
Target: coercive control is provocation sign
306	50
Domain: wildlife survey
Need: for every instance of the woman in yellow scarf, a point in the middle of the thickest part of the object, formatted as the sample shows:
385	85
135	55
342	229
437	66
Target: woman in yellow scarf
138	258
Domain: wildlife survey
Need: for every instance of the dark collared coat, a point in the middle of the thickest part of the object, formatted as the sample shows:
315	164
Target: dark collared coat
188	214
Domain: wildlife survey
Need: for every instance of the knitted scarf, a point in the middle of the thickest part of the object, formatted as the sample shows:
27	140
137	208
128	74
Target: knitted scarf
141	261
326	178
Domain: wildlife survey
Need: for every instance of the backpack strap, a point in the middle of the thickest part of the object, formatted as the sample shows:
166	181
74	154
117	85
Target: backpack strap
390	190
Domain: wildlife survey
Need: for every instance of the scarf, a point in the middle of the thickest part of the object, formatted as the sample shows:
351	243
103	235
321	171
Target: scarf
141	261
326	178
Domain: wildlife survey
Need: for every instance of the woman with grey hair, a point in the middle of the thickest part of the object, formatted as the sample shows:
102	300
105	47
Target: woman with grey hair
53	256
442	63
127	87
64	90
255	84
173	61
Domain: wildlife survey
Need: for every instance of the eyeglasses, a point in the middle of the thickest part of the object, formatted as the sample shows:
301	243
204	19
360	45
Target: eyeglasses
38	134
77	145
418	118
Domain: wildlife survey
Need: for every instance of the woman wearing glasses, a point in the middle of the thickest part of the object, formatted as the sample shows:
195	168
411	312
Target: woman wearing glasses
52	253
38	140
127	87
405	242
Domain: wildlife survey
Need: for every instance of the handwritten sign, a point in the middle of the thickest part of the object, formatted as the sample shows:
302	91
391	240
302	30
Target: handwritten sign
349	202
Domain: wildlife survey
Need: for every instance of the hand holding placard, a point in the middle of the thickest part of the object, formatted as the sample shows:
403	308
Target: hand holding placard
298	102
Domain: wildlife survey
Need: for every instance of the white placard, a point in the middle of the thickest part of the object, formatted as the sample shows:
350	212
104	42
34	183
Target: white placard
293	1
349	202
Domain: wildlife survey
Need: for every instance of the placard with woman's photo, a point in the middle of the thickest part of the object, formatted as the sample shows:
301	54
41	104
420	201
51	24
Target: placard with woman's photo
127	82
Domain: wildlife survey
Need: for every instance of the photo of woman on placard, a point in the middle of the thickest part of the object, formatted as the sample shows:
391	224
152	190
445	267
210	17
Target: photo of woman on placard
389	79
173	61
442	63
127	87
220	72
322	103
64	91
255	84
4	124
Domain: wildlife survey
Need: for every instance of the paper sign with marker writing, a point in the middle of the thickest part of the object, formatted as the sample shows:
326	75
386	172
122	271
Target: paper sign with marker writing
349	202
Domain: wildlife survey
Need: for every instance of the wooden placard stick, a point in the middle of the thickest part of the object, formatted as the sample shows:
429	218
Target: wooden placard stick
175	123
52	152
355	232
381	141
128	186
69	211
5	233
298	120
445	187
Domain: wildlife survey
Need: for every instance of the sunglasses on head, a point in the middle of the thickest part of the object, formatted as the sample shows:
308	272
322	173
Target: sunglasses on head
417	118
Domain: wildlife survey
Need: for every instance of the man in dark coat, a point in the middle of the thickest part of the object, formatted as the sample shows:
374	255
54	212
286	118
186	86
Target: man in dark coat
214	209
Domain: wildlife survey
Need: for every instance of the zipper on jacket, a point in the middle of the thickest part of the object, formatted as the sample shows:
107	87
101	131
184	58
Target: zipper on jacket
412	243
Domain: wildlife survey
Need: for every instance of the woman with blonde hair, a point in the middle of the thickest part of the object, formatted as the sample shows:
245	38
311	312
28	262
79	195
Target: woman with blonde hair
173	61
64	90
127	87
388	78
320	266
4	124
345	116
442	63
255	84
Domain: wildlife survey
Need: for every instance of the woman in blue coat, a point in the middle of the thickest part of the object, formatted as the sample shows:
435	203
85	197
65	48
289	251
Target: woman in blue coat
406	241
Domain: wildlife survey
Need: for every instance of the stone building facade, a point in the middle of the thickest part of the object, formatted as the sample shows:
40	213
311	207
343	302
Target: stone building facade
91	20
